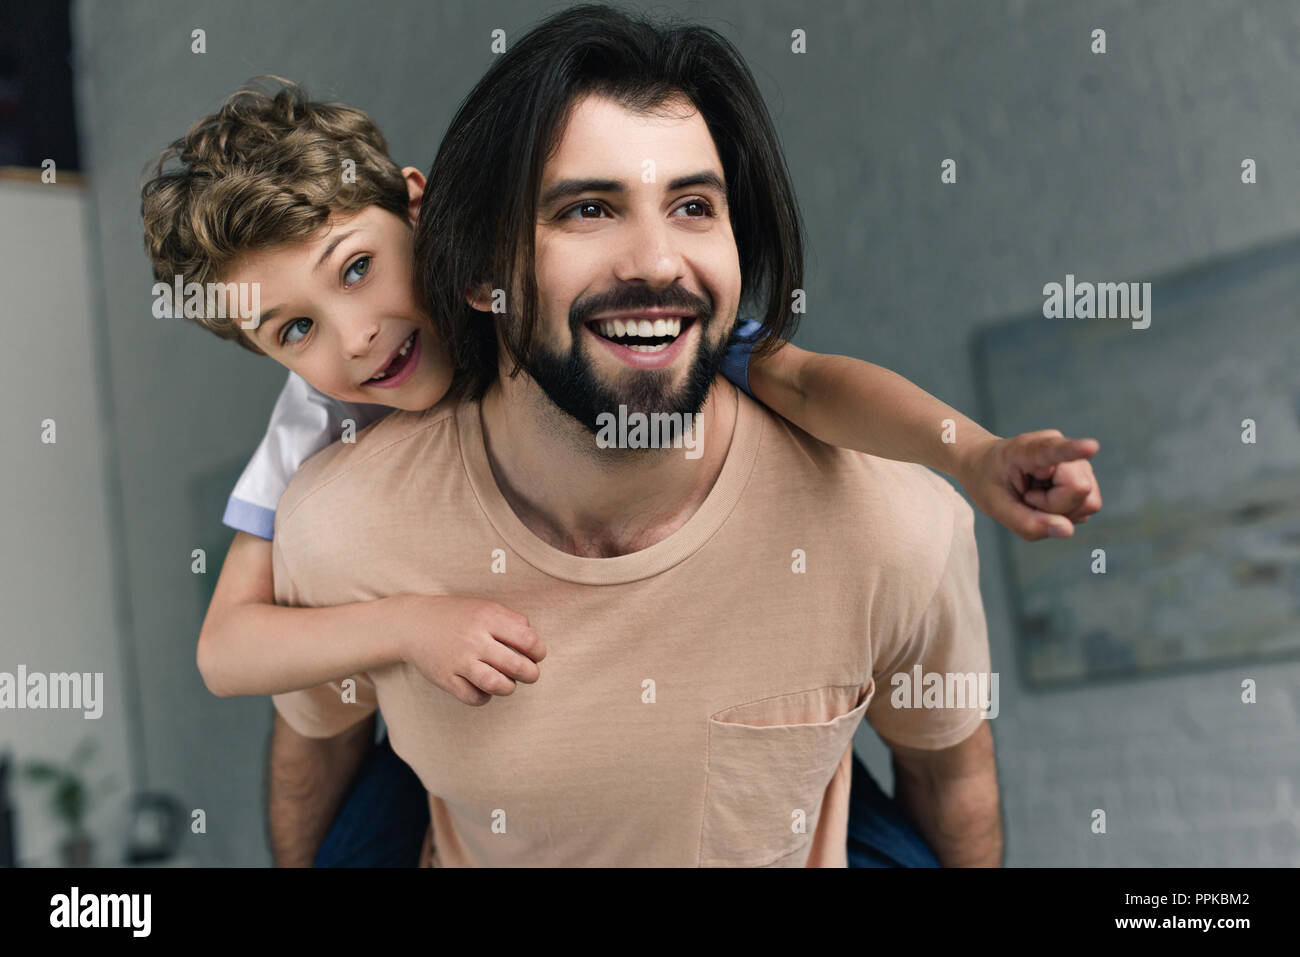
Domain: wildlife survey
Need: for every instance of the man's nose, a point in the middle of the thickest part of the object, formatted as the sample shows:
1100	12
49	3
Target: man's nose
649	252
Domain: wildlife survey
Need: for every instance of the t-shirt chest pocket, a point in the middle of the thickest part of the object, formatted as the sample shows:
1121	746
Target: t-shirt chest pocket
770	762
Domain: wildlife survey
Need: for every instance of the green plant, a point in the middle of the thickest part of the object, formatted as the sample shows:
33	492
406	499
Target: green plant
70	796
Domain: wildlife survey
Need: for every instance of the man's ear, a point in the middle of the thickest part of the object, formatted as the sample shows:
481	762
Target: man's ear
480	297
414	191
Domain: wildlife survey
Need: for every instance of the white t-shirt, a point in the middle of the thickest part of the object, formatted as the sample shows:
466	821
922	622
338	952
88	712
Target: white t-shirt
304	421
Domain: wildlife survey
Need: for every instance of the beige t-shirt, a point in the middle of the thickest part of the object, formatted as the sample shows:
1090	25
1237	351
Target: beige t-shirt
698	700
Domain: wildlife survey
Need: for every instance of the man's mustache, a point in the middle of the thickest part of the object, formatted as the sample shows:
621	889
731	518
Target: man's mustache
630	297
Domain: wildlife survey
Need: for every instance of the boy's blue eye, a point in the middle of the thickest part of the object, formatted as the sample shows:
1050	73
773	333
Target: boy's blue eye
286	335
360	267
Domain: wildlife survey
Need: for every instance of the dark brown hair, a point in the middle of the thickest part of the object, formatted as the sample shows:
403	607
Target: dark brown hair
476	227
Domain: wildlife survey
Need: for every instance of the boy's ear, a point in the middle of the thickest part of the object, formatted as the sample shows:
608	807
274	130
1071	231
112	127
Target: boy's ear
414	190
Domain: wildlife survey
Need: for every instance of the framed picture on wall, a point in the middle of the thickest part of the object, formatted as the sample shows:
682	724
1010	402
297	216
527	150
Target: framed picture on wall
1194	560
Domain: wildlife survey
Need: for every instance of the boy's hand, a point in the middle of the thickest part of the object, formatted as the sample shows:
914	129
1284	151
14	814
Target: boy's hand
1037	484
469	647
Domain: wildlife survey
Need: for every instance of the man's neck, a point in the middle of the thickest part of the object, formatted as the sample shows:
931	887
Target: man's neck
589	501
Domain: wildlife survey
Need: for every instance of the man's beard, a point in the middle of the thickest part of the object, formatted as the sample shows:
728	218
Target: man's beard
570	382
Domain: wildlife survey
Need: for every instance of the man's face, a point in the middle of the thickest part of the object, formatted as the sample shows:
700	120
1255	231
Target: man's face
637	270
340	310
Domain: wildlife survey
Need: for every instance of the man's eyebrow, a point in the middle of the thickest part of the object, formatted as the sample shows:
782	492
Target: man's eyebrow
575	187
334	244
706	177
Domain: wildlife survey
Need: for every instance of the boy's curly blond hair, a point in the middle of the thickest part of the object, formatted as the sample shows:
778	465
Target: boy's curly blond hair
266	168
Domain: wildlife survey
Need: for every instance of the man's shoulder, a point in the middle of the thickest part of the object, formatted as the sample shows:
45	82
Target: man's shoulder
381	446
893	505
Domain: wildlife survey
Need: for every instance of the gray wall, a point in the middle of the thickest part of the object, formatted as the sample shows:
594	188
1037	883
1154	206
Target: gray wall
57	588
1121	166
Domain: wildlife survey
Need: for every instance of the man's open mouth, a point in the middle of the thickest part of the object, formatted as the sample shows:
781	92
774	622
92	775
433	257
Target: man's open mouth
648	334
399	361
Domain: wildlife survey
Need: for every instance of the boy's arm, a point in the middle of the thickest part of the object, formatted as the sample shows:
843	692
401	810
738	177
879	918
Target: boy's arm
471	648
860	405
1036	484
248	645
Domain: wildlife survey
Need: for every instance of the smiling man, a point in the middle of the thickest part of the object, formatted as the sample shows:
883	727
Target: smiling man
614	250
648	340
718	626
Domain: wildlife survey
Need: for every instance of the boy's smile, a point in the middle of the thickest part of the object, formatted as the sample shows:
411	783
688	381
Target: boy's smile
401	365
341	311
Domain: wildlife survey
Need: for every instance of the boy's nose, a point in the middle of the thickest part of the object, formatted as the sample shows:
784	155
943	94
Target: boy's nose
360	338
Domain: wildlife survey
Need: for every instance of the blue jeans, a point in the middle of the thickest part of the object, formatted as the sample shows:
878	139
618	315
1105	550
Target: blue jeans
880	835
385	814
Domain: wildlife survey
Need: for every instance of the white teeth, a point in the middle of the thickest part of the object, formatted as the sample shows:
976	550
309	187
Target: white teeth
642	328
406	347
656	348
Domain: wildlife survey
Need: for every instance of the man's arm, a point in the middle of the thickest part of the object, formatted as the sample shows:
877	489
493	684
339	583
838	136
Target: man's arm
951	795
307	780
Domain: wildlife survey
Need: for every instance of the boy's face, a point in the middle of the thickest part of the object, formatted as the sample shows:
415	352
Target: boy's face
340	308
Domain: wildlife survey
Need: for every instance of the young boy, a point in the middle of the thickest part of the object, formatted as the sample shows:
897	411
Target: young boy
302	198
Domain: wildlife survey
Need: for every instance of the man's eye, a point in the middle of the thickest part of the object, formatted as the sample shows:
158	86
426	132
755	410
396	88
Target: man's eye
286	335
583	206
360	267
704	207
